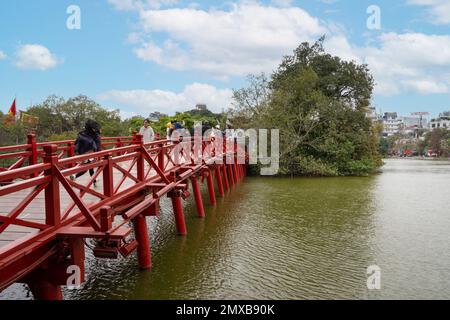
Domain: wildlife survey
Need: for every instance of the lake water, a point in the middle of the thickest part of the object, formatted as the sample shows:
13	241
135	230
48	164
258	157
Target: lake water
303	238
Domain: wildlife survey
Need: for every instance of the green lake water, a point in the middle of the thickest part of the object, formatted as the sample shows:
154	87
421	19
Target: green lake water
303	238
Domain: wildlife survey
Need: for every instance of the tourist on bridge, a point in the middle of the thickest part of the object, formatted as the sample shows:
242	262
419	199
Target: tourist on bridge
88	141
174	126
147	132
169	129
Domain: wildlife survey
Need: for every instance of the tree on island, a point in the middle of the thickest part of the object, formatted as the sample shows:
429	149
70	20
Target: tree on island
319	103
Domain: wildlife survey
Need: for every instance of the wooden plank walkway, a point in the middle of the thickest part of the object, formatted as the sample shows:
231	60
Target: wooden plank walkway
35	211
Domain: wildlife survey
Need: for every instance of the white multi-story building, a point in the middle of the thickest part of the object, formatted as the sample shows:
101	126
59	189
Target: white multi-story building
442	122
395	124
392	124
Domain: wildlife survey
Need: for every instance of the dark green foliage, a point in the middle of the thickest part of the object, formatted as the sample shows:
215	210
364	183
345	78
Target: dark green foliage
319	103
61	119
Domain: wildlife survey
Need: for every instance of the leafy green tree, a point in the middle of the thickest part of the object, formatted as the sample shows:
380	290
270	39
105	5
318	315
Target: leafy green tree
319	103
58	116
61	119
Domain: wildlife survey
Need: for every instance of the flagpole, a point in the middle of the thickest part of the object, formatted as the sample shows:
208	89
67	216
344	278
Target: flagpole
15	118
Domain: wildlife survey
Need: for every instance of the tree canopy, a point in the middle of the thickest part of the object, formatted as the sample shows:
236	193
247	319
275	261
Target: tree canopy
319	103
61	119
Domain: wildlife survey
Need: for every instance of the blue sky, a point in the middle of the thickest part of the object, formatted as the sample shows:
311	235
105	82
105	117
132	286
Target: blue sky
148	55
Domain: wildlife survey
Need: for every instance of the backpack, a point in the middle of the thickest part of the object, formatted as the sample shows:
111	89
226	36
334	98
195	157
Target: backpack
85	143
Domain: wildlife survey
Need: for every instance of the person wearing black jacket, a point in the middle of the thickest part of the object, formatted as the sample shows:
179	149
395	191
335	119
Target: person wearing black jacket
88	141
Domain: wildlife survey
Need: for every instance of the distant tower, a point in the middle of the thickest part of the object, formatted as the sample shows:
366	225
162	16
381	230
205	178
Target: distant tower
420	115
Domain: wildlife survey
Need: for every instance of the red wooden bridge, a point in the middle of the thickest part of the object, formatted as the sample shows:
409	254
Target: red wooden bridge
45	216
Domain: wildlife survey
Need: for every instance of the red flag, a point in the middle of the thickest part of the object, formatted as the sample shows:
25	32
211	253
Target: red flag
12	111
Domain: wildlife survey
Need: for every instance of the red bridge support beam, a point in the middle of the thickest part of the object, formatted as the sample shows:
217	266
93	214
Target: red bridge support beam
179	214
198	197
210	183
225	177
230	174
235	172
45	290
141	234
219	181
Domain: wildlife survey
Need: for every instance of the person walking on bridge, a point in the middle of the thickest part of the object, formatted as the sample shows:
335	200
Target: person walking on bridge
88	141
147	132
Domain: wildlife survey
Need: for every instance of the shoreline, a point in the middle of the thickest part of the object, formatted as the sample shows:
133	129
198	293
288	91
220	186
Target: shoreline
417	158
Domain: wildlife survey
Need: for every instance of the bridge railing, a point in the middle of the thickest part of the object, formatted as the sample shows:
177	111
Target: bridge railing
31	153
128	174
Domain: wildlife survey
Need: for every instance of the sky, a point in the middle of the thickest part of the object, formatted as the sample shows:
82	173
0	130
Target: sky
141	56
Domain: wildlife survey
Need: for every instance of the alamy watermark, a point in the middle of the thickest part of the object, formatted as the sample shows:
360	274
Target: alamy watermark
73	22
374	277
74	279
374	19
232	146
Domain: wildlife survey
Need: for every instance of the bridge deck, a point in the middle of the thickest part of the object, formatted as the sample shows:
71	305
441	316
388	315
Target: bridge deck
35	211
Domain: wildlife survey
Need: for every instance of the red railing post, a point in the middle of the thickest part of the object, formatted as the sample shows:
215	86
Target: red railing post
161	156
140	161
31	140
119	144
71	151
52	195
33	158
108	177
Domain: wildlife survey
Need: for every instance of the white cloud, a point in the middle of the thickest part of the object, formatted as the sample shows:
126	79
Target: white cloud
35	56
410	62
2	55
146	101
247	38
339	46
438	10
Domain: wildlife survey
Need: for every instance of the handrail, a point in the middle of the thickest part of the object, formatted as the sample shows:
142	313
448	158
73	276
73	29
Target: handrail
13	157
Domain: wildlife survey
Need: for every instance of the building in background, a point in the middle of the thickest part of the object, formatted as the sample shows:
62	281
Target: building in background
441	122
201	107
415	125
392	124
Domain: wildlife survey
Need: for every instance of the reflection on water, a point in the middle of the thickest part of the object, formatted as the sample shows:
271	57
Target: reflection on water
277	238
